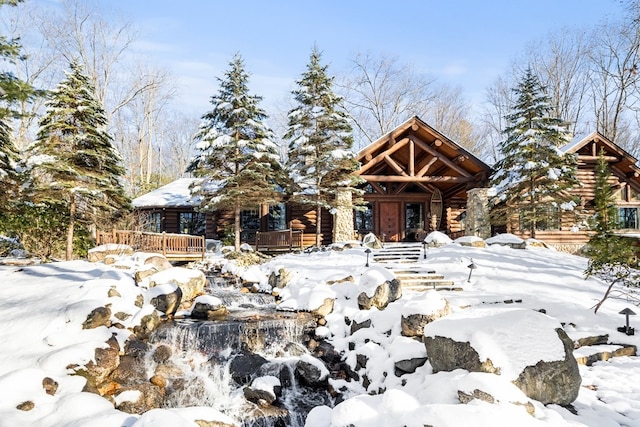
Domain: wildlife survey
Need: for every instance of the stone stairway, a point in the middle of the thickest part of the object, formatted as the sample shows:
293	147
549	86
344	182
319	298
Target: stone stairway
402	260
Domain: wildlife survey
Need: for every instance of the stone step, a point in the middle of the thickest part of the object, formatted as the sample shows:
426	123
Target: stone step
412	271
432	284
424	287
417	277
588	355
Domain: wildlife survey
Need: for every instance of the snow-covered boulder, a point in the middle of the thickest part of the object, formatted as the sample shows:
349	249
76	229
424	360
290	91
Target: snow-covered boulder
263	391
473	241
418	312
165	298
208	307
378	287
507	239
371	241
191	282
99	253
528	348
311	371
437	239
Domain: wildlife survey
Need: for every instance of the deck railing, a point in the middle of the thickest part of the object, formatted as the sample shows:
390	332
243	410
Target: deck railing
172	246
281	240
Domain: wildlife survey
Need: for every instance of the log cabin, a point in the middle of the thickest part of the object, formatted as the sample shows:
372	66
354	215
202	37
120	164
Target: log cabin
416	181
569	231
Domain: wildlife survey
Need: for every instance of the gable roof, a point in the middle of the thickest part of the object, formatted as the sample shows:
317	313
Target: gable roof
174	194
620	161
416	153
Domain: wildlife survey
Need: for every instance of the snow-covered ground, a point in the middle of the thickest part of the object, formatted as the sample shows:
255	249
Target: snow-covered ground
42	309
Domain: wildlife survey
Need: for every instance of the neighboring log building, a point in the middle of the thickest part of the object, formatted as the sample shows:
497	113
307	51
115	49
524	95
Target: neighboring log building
568	231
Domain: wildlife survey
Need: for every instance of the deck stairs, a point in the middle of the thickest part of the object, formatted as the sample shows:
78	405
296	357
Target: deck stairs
402	259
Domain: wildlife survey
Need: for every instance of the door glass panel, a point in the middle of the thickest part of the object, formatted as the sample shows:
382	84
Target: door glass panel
414	220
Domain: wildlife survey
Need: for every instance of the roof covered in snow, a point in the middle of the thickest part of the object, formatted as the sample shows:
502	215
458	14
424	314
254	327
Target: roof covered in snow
174	194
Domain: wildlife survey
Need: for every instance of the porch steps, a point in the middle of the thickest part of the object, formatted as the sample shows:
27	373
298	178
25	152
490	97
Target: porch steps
402	260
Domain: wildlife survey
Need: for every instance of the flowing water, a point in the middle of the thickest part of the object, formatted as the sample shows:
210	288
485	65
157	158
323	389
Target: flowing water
212	361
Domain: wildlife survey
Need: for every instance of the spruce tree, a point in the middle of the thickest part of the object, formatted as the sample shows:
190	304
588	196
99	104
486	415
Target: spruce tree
74	160
533	176
320	139
611	257
12	90
236	156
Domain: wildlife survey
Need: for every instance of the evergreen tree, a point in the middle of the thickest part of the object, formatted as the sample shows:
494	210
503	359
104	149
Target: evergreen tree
320	140
12	90
611	257
533	175
236	157
73	158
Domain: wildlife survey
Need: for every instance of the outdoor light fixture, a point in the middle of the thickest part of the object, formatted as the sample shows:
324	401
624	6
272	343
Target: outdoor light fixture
626	329
424	248
368	251
471	267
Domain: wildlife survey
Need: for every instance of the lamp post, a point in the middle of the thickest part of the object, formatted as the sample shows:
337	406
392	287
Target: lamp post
424	248
626	329
367	251
471	267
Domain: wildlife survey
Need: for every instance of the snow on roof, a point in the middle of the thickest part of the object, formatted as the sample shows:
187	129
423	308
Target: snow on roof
174	194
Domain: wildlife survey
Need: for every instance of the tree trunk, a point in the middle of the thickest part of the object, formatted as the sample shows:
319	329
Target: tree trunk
72	219
236	228
318	225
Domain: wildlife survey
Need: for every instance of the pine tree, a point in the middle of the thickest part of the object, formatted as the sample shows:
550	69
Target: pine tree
611	257
236	157
533	176
12	90
320	138
74	159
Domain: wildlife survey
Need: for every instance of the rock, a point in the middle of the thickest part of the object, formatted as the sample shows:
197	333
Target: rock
280	279
465	398
244	367
142	273
348	279
191	282
159	262
98	317
409	366
527	347
159	381
50	385
113	292
149	397
135	347
99	253
310	371
26	406
106	360
148	324
162	353
325	309
263	391
169	302
384	294
130	371
423	311
355	326
371	241
206	307
553	382
591	340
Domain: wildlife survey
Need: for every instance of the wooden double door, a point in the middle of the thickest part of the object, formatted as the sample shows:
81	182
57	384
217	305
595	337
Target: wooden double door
408	220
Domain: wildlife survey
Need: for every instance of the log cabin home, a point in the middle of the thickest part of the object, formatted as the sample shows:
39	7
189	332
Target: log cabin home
568	231
417	181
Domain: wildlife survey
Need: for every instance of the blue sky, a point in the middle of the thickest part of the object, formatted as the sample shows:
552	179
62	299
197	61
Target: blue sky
465	43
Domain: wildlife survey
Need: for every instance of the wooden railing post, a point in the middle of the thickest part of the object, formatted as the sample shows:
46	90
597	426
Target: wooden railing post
164	243
290	238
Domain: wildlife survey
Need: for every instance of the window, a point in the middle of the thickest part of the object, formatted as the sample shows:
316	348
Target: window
152	222
249	224
628	217
191	223
364	219
277	219
548	219
414	217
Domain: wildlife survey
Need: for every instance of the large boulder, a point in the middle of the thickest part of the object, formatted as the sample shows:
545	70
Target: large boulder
528	348
191	282
378	288
208	307
99	253
165	298
422	310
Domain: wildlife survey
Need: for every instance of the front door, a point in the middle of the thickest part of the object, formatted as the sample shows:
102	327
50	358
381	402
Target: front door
390	227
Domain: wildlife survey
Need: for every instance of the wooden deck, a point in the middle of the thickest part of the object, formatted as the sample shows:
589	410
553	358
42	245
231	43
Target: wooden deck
284	240
175	247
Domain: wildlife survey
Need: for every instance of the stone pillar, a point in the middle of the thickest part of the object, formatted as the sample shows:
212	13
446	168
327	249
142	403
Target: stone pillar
477	222
343	216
